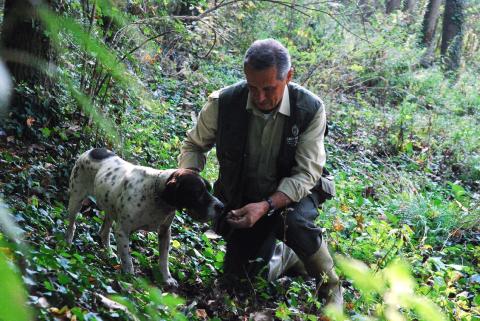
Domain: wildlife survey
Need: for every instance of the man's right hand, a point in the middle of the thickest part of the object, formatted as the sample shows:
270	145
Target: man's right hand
248	215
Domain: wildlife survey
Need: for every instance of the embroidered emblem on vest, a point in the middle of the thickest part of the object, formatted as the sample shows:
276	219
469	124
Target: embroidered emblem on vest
293	140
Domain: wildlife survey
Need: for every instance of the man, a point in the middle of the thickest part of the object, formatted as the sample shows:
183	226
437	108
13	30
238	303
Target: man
269	136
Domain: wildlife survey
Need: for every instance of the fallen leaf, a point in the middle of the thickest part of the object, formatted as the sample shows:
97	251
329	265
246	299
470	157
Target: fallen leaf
30	121
112	305
360	220
210	234
63	311
43	303
369	191
7	251
176	244
338	226
201	313
475	279
261	316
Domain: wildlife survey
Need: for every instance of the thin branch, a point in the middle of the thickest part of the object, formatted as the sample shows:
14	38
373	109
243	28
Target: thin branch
289	5
296	7
362	15
143	43
206	12
213	45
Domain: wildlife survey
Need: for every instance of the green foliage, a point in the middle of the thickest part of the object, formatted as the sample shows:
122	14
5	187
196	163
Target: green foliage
395	287
403	145
13	295
158	305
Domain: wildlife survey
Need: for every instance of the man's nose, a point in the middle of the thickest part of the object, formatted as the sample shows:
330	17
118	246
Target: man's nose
261	96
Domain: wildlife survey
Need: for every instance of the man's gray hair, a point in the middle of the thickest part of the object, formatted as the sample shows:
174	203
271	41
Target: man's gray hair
267	53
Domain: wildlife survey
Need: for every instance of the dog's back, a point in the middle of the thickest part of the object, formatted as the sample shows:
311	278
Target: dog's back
85	170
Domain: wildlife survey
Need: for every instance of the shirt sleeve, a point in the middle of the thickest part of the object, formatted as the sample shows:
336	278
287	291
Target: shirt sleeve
201	138
310	159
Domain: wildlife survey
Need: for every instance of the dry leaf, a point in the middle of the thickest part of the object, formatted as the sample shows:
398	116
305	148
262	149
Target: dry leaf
210	234
201	313
112	305
30	121
360	220
338	226
43	303
7	251
63	311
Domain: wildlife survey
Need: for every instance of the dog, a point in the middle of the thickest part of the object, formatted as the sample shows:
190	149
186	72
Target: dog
137	198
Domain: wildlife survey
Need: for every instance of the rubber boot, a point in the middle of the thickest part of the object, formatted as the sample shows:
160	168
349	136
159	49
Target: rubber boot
284	259
320	266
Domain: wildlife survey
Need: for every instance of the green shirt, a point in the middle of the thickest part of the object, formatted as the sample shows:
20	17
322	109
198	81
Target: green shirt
263	146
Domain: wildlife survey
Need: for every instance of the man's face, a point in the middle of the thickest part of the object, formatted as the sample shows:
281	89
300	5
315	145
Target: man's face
266	91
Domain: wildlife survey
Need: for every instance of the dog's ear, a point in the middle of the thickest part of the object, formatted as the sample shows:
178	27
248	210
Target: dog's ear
207	184
169	194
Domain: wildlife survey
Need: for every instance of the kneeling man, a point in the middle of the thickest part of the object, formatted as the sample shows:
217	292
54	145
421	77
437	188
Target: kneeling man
269	135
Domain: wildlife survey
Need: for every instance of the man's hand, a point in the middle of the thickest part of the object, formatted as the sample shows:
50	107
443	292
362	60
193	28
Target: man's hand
248	215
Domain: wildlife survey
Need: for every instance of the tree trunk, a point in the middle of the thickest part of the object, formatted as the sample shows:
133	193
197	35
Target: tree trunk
392	5
430	19
22	38
409	6
367	8
24	45
452	34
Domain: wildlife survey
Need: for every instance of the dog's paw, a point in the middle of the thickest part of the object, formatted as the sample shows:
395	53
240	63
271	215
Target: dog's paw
171	283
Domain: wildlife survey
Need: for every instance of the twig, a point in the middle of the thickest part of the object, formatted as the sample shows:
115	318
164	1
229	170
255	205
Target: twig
206	12
394	246
91	19
296	7
289	5
143	43
250	283
100	84
364	29
213	45
474	220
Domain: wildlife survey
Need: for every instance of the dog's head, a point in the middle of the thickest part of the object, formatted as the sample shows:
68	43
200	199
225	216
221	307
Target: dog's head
186	189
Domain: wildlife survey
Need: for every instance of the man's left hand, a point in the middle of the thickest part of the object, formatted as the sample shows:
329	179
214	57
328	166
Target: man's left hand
248	215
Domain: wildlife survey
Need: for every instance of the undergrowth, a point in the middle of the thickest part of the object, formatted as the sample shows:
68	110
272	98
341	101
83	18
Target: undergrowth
403	146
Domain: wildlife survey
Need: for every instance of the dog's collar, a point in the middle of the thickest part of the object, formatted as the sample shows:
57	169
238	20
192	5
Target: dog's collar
160	182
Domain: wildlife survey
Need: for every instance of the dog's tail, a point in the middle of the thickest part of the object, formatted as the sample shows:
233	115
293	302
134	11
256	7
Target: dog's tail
81	183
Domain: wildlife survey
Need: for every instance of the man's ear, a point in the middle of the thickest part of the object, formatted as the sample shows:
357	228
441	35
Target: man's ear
289	75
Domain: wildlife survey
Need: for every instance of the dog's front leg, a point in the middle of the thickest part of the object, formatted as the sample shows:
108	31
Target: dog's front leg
164	233
123	249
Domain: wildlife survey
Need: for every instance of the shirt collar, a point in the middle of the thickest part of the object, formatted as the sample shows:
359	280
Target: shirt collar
284	105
